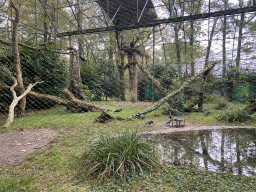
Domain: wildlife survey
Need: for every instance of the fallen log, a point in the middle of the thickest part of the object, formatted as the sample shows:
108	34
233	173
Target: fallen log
71	102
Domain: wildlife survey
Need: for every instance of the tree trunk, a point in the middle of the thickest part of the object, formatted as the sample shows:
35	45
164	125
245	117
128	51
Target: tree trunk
45	23
132	58
16	62
121	70
191	43
239	46
15	102
177	43
201	94
76	77
79	23
224	46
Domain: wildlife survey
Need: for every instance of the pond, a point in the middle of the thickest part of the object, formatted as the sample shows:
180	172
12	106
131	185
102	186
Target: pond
225	150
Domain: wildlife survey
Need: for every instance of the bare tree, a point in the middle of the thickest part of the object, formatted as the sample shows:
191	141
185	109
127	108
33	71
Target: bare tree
16	62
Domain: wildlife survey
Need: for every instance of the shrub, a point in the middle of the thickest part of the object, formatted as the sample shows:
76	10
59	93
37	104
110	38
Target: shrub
119	156
36	66
233	115
221	103
176	107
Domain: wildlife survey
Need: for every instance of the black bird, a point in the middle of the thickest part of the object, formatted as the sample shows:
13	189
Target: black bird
169	120
149	122
70	48
83	59
132	44
142	116
118	110
43	44
207	113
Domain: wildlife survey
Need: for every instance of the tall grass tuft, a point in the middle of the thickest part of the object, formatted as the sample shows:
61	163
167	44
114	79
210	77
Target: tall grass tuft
120	156
233	115
221	103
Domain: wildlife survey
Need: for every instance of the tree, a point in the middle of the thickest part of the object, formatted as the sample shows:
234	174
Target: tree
16	62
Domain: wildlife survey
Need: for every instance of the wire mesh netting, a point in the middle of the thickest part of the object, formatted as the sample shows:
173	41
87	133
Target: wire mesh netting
130	51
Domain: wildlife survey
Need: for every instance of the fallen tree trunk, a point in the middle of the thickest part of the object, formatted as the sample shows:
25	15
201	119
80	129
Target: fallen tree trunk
163	100
158	85
79	103
72	101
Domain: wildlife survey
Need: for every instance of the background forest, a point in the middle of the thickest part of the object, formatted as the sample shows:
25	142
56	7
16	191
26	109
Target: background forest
175	51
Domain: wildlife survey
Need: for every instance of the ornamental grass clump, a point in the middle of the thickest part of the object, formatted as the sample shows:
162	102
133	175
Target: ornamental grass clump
120	156
233	115
221	103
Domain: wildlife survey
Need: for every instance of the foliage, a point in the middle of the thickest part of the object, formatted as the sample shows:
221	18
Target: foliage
119	156
220	102
233	115
163	73
36	67
99	81
169	110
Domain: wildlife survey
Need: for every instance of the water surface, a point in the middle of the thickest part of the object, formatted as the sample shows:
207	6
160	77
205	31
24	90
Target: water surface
225	150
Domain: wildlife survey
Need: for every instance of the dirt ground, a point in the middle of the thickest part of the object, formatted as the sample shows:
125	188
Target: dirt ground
16	145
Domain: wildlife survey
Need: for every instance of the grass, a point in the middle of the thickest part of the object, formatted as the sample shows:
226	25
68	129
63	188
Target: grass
56	168
119	156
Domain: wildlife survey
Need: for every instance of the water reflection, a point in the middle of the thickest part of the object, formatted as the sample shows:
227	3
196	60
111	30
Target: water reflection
229	150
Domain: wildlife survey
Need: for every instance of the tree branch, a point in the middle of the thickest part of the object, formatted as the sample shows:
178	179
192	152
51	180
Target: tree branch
15	102
33	48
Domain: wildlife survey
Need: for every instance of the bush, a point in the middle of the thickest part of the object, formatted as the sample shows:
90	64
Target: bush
119	156
36	66
176	107
233	115
100	81
221	103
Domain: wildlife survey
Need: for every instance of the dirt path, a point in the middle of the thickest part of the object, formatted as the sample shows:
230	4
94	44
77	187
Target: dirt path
16	145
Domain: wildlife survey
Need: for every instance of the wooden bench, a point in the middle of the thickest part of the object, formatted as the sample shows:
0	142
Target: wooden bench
179	122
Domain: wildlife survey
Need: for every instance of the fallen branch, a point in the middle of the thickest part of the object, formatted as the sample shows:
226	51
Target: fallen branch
15	102
71	102
81	103
163	100
158	85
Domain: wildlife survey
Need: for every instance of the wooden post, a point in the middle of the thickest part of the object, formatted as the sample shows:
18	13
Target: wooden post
76	76
132	58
